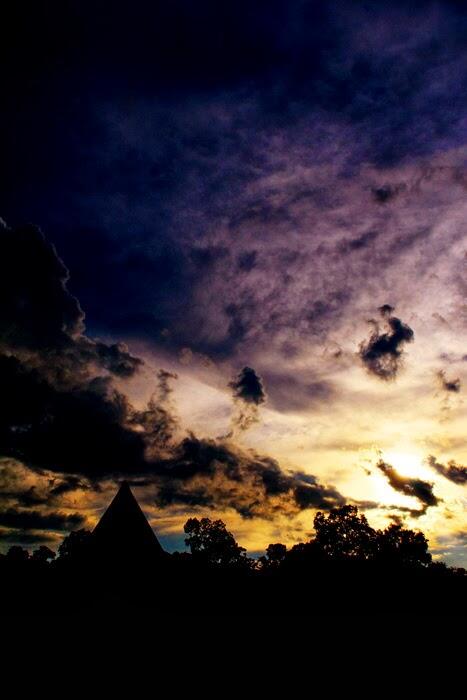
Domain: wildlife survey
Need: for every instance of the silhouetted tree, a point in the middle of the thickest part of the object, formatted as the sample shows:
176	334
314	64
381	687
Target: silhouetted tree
304	555
210	541
276	553
43	554
327	572
344	534
275	556
17	555
400	546
439	567
75	546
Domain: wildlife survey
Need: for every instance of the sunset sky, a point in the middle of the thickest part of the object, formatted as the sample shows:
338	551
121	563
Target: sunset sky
233	266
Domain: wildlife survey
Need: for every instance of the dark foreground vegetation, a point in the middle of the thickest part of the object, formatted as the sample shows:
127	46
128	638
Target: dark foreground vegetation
348	568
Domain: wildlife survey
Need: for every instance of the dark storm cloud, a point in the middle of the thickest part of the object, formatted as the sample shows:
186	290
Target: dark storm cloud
81	431
164	386
62	414
99	435
293	54
382	352
386	310
95	433
248	393
310	494
21	537
60	410
157	421
116	359
68	484
41	319
403	511
16	486
24	497
453	471
215	474
248	387
417	488
144	184
449	385
37	520
36	310
153	125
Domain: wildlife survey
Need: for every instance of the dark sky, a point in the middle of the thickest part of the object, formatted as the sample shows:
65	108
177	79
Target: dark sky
128	128
239	185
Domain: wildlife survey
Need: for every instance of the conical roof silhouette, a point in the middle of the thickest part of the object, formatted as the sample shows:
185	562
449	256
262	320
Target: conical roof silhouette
124	532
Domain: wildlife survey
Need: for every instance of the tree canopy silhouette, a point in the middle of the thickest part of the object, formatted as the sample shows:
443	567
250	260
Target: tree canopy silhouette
275	556
346	564
397	545
43	554
211	542
344	534
75	546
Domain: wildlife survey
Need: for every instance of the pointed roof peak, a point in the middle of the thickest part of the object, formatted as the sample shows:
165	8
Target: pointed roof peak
124	527
124	489
124	498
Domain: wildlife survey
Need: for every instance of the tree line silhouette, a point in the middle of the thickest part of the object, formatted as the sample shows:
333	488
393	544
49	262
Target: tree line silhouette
346	567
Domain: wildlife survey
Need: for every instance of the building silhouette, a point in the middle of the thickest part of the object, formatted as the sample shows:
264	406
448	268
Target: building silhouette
123	533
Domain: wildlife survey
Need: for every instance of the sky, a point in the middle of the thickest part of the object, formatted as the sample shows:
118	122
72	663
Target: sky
233	266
